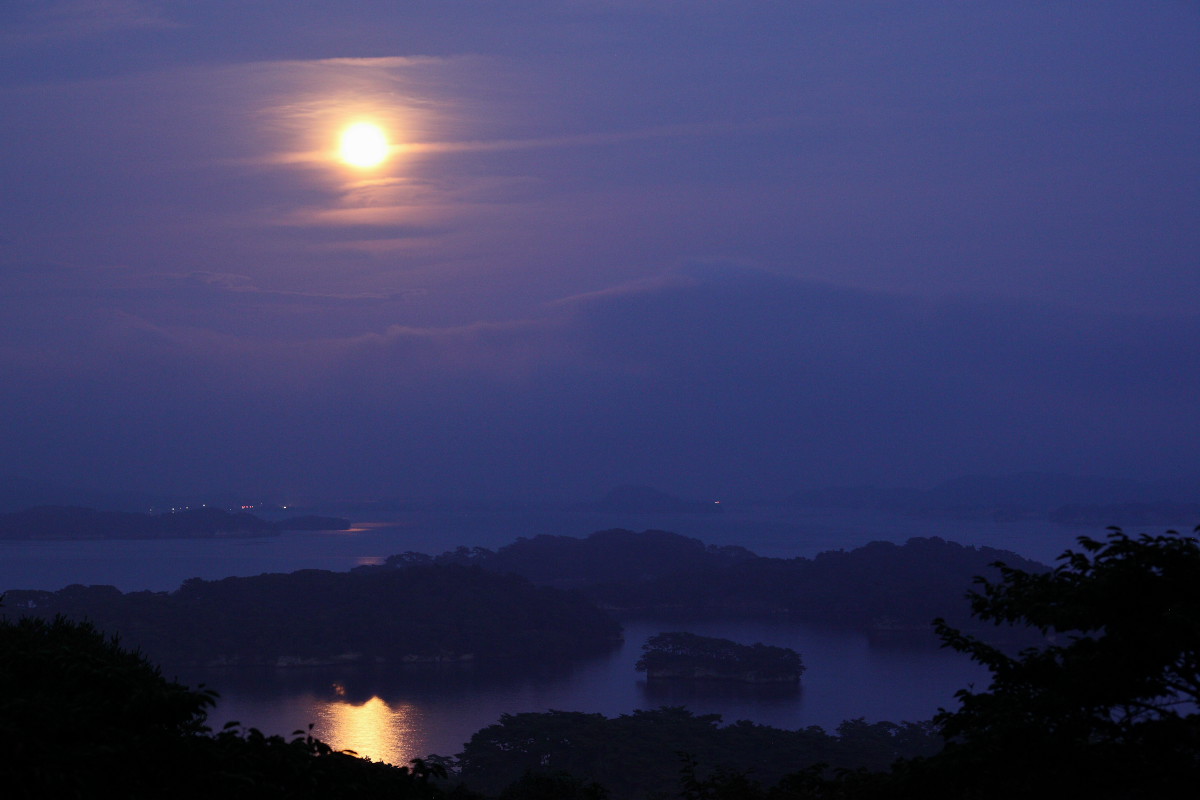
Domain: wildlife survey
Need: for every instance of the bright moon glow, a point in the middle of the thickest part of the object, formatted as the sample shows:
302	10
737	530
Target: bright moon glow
364	145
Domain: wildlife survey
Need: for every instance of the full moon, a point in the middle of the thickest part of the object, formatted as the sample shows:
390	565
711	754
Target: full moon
364	144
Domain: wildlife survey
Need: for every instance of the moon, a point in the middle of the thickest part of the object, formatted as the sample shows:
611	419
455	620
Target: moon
364	145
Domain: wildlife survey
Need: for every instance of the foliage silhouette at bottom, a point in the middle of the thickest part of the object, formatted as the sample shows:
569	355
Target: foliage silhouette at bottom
82	717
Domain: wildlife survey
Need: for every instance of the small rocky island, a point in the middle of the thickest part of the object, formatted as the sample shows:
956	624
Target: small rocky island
687	656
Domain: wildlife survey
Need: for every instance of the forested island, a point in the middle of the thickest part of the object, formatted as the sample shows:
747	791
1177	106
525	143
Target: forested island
882	588
540	595
680	655
548	597
73	522
443	613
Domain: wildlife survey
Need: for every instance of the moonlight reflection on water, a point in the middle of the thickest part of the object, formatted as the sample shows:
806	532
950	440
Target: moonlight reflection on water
374	729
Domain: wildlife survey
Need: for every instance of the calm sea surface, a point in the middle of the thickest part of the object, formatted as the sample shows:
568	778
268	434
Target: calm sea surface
396	714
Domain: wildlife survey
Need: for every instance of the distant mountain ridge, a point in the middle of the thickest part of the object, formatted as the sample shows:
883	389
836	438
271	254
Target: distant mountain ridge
74	522
19	493
639	499
1065	499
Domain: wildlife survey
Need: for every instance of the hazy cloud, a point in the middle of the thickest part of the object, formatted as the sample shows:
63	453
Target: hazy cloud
736	380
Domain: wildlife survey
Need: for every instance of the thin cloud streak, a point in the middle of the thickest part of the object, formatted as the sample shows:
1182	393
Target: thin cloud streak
593	139
76	20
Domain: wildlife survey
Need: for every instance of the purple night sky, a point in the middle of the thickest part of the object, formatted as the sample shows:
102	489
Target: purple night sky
722	248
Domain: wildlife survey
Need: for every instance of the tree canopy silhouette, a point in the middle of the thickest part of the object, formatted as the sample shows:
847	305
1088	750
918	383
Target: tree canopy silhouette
80	716
1108	705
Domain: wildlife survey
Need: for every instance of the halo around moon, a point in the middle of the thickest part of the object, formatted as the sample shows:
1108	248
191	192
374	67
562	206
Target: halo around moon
363	145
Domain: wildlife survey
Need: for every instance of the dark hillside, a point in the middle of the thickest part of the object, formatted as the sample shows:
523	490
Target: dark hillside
880	587
430	613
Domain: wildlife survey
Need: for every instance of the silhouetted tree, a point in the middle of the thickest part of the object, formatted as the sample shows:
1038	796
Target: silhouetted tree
82	717
1107	706
535	785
